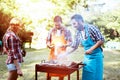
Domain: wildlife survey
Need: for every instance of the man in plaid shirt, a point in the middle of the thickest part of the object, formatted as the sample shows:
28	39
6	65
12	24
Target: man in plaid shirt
58	39
12	46
90	37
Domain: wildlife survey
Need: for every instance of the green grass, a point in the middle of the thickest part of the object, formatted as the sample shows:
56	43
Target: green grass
111	64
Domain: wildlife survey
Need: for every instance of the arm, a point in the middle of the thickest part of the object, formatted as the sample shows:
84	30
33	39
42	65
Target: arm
12	47
98	38
68	38
48	40
19	71
71	48
72	45
98	44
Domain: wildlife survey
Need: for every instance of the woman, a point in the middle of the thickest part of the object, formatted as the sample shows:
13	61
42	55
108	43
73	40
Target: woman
12	46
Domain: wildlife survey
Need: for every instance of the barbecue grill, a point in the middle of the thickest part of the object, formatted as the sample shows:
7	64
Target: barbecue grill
58	69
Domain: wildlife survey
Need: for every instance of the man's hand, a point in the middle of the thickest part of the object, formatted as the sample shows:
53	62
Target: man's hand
64	46
89	51
50	46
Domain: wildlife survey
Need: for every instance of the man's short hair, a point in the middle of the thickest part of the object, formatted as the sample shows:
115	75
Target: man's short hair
77	17
57	19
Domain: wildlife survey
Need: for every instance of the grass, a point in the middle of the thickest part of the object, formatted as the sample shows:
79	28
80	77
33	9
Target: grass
111	64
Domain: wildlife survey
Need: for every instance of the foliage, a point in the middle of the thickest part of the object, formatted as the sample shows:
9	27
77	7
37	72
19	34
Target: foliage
40	13
108	22
6	14
4	22
110	25
8	9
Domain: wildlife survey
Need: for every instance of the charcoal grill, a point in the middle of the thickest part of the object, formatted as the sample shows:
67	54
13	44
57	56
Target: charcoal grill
59	70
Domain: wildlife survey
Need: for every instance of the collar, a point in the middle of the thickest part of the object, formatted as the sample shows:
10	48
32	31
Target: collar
55	29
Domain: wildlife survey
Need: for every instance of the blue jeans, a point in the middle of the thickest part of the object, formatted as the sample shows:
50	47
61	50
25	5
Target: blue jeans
12	66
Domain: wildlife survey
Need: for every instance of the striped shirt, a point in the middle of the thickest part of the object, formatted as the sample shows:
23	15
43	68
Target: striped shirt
12	45
94	33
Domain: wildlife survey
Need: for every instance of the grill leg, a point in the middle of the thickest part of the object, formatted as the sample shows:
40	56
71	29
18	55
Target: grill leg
35	73
48	76
69	77
77	74
61	78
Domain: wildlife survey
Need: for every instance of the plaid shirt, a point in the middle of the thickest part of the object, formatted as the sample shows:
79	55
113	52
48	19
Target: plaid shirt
67	34
12	46
94	33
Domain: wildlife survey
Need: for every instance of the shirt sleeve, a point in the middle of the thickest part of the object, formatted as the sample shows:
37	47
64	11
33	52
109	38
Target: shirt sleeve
5	46
76	42
95	34
48	39
12	47
68	37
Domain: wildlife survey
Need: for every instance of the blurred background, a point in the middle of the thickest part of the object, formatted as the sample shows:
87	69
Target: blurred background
37	17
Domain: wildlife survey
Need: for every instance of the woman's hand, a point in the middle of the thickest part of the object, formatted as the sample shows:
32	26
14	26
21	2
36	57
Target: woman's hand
19	72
